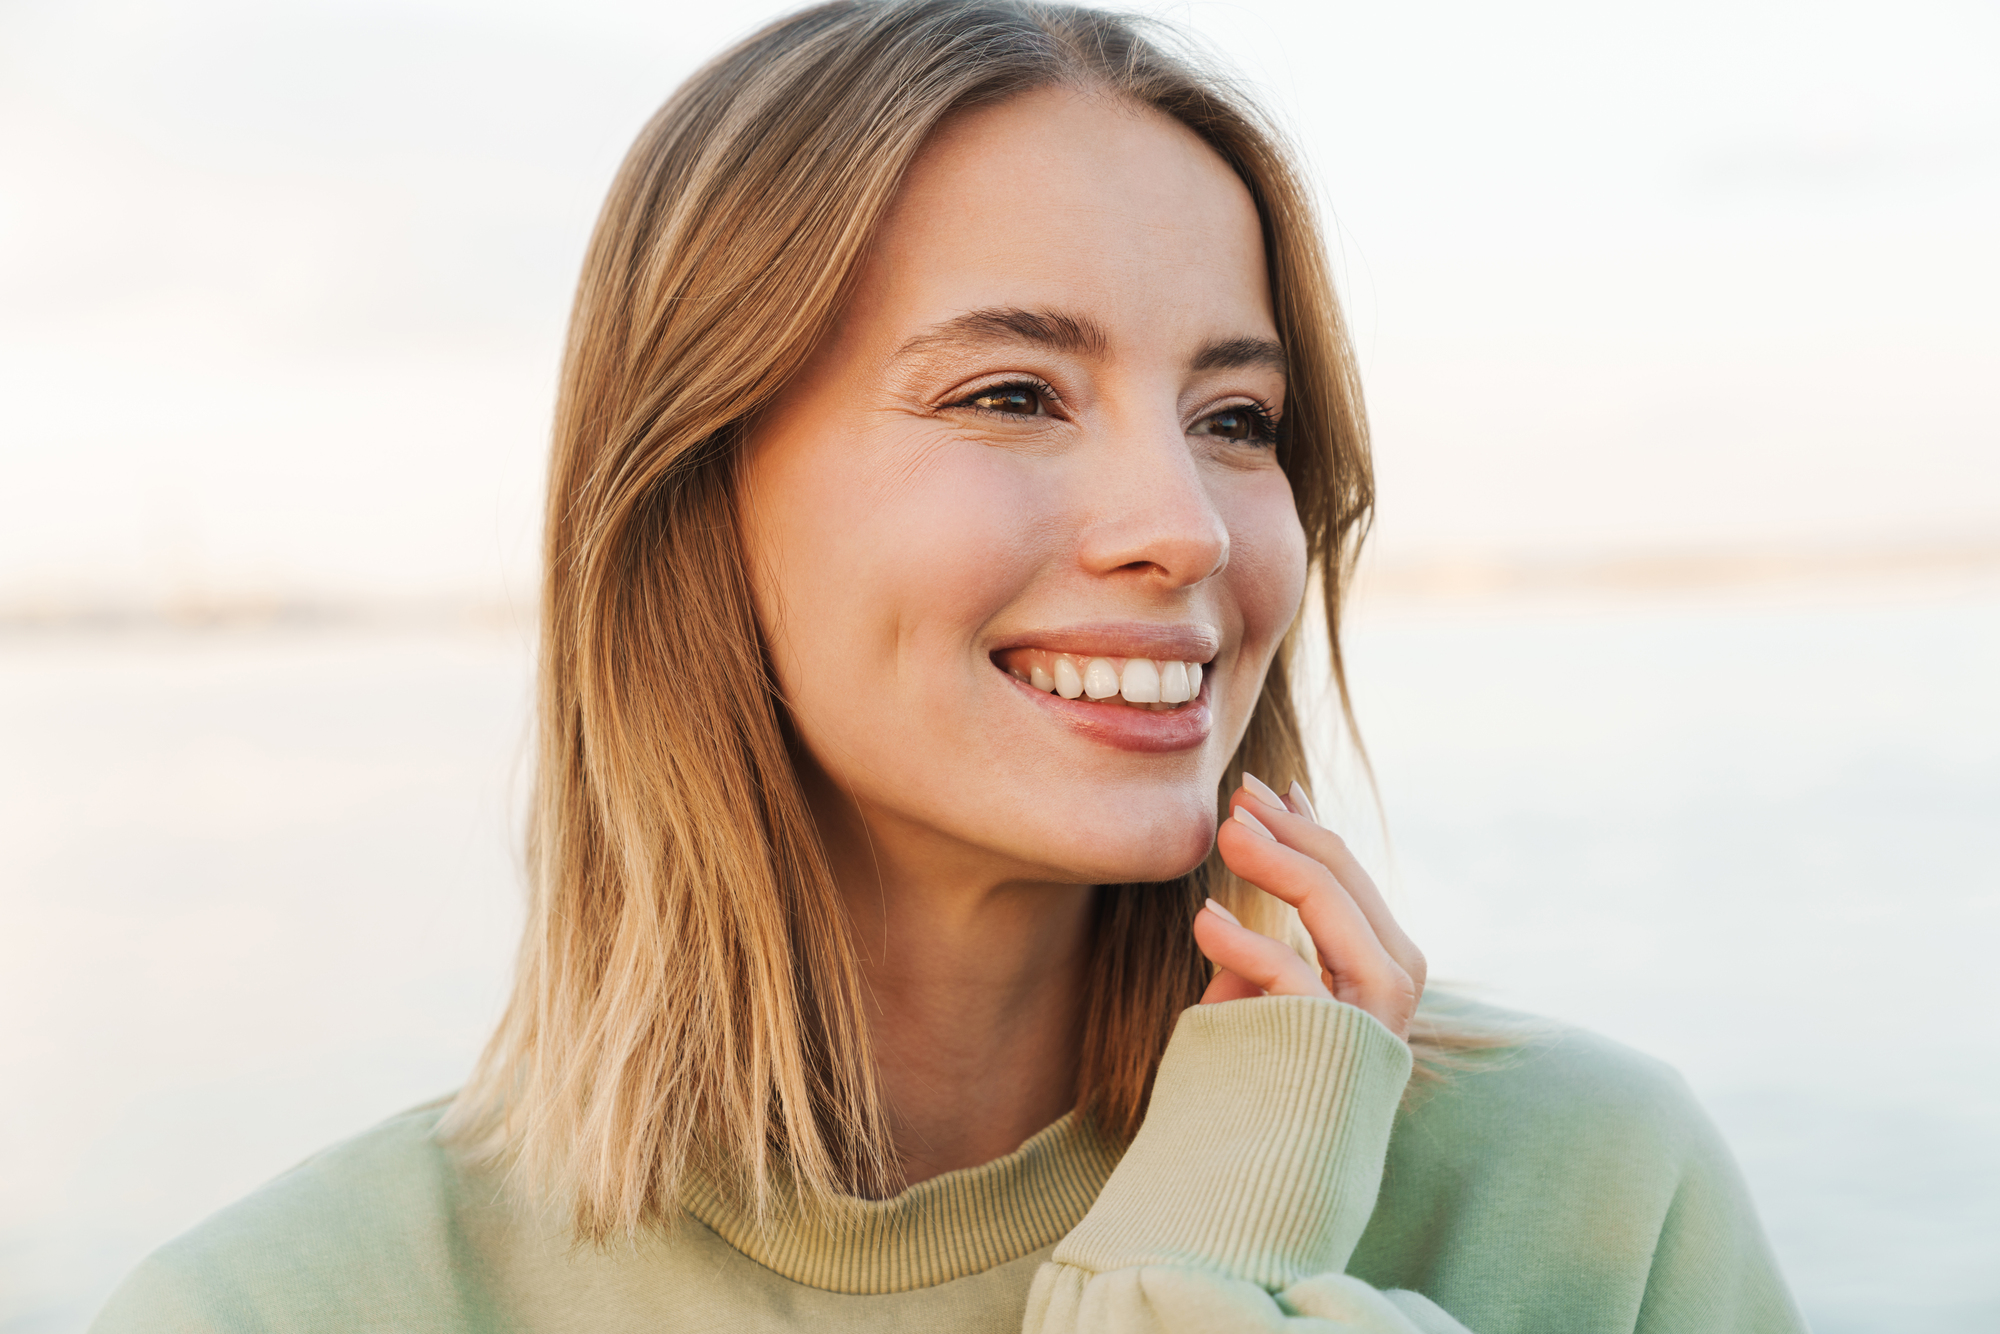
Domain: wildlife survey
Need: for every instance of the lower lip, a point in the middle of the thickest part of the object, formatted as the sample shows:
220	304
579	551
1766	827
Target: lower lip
1145	730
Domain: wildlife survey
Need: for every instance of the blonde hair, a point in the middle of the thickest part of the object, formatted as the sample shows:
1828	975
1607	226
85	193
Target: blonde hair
687	997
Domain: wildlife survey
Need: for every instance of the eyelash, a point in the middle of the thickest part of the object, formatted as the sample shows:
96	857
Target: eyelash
1267	421
1042	388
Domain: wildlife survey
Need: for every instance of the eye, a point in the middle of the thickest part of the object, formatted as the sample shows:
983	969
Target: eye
1022	399
1243	421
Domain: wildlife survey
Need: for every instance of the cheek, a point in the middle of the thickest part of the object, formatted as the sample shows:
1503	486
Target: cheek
963	535
1267	565
874	562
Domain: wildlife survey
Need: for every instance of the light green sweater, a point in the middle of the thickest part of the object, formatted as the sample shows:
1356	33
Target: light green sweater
1568	1185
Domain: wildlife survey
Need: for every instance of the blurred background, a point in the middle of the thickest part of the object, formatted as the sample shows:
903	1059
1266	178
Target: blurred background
1677	650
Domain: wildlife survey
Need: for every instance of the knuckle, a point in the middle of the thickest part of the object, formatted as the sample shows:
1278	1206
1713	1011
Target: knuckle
1274	976
1324	881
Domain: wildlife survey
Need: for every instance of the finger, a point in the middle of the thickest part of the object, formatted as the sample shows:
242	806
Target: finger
1346	938
1295	826
1227	986
1268	966
1297	829
1363	971
1299	802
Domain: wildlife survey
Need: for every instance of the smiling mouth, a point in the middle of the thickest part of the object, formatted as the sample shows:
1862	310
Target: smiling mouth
1137	683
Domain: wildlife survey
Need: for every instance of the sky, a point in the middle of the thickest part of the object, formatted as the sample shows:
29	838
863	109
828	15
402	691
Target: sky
283	285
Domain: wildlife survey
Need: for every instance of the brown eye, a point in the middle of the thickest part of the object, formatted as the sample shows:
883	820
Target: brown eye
1022	400
1241	423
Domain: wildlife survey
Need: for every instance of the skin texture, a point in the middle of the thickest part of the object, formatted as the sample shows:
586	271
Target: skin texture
1079	469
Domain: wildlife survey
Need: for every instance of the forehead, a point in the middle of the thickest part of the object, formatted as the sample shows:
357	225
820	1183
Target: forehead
1072	200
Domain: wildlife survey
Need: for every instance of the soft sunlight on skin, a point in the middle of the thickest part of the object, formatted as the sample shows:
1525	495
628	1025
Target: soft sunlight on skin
1044	423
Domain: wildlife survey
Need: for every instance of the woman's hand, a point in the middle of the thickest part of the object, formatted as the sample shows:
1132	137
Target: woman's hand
1277	844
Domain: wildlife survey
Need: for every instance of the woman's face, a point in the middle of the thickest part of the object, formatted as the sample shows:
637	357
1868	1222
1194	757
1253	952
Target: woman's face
1033	464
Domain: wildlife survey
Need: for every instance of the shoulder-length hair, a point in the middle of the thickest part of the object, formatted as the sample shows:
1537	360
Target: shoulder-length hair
687	997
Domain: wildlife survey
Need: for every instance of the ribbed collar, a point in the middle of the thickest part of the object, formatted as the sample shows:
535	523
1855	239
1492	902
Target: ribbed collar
950	1226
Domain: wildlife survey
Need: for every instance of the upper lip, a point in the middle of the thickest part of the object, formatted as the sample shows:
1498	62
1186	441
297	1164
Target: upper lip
1122	639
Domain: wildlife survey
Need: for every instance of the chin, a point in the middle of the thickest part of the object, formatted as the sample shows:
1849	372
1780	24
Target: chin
1144	853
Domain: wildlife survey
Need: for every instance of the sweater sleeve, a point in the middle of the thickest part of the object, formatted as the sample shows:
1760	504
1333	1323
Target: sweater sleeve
1247	1187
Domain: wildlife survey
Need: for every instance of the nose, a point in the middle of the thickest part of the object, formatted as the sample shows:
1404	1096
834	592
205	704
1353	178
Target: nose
1149	514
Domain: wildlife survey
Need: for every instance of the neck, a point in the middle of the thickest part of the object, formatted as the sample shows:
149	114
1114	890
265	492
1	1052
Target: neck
976	988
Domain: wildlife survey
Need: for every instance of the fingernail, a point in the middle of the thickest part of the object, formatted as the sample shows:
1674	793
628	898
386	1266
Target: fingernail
1261	790
1300	803
1223	913
1255	824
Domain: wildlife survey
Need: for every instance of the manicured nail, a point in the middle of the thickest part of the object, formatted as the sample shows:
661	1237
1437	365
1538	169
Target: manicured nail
1301	804
1223	913
1245	817
1261	790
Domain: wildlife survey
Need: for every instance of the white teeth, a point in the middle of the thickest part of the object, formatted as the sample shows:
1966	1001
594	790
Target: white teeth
1140	682
1143	681
1099	680
1068	683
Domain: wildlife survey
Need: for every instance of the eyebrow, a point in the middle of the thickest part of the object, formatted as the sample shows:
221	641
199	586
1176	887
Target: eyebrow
1008	324
1078	335
1234	353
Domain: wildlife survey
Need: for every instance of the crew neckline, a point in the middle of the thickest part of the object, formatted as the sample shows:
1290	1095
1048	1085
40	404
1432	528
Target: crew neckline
947	1227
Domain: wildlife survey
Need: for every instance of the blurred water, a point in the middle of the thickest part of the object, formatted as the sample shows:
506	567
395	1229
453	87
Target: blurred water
260	891
1760	842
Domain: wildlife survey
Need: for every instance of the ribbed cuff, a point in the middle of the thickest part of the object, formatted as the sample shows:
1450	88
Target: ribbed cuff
1262	1150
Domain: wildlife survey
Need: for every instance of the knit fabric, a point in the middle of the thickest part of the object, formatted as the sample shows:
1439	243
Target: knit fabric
1281	1181
938	1230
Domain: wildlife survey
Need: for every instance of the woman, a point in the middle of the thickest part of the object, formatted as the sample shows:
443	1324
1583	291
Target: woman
955	417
